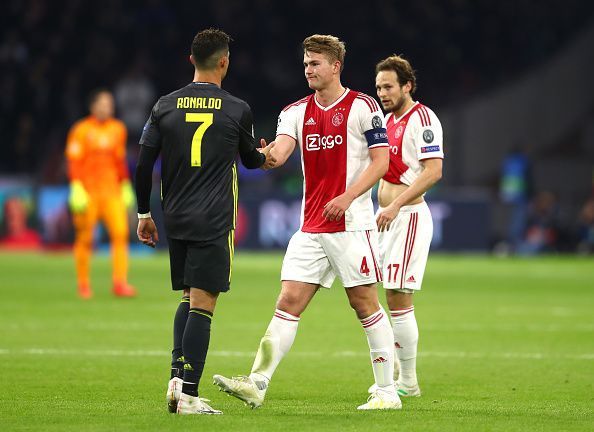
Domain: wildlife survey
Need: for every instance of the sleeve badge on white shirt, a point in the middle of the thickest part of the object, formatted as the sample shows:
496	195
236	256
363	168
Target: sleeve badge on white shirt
376	122
428	136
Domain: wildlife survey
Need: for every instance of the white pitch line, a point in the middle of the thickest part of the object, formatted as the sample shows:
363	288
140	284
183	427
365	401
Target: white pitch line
250	354
551	328
462	327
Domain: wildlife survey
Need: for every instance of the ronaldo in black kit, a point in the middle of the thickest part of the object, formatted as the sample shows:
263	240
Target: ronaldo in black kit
199	130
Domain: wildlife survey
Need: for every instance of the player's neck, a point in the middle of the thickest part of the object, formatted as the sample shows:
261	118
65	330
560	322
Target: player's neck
404	108
330	94
99	119
208	77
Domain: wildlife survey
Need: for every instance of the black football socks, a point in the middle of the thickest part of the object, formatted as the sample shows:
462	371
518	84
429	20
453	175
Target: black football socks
195	346
179	325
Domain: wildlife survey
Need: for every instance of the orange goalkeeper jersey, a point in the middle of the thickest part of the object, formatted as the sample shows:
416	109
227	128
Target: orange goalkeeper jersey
96	154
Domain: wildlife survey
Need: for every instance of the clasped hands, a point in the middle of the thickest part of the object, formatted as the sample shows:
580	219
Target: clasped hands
270	161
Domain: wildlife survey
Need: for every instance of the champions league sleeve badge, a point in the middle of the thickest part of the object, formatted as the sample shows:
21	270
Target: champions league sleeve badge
376	122
428	136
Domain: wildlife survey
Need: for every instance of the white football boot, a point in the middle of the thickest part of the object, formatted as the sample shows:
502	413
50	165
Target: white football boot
407	391
173	393
242	387
188	405
381	400
403	390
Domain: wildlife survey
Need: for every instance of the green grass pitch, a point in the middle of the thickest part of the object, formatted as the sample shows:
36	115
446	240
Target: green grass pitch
505	344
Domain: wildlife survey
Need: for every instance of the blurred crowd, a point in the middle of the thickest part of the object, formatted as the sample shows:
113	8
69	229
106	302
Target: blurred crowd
52	54
535	223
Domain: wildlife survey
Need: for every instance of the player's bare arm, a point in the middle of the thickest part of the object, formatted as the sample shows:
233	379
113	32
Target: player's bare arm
431	174
279	150
380	159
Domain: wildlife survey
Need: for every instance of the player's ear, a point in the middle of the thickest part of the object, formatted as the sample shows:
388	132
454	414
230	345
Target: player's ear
192	60
224	61
336	66
407	87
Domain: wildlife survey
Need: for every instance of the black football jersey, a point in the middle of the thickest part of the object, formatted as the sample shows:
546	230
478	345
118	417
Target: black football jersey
200	129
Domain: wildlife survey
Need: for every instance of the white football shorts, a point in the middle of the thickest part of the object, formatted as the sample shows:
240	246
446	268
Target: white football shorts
405	246
317	258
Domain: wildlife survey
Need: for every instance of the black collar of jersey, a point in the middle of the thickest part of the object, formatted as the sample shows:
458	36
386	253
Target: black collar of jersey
203	83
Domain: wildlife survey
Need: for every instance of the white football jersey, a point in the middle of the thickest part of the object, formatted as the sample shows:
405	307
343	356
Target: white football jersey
414	136
334	142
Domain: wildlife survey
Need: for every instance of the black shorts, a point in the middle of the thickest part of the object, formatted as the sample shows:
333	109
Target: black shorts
202	264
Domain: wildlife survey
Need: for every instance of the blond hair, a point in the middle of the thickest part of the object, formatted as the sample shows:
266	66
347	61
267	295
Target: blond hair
403	69
328	45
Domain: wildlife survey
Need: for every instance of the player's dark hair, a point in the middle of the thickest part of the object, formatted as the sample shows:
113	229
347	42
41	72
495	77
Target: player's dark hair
329	45
208	46
403	69
95	93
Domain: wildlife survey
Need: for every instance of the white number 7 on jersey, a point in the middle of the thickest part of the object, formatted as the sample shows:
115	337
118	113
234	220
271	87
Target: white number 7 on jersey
206	119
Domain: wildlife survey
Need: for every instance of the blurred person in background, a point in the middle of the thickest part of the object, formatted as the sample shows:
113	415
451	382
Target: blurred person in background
542	225
515	191
585	234
134	94
100	189
17	234
403	219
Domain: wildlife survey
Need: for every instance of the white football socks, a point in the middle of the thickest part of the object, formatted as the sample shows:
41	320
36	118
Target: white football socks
380	339
275	343
406	339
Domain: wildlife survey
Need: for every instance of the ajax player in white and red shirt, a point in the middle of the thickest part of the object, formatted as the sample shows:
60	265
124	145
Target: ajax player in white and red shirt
342	139
403	219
